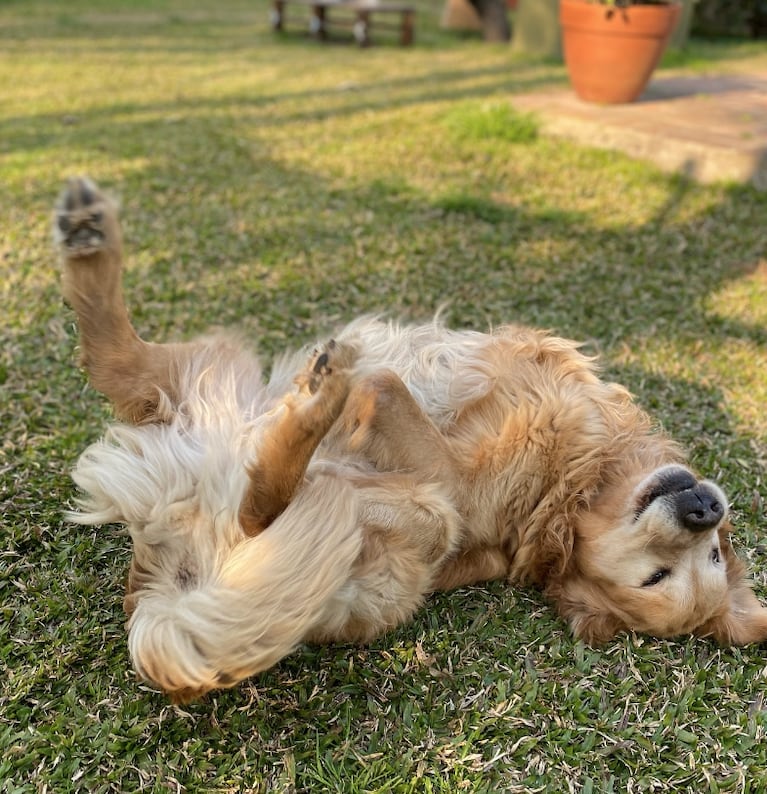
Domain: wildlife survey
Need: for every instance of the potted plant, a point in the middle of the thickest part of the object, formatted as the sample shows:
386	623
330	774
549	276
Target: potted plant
611	47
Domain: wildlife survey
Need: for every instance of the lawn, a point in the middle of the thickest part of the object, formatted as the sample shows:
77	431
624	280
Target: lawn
282	186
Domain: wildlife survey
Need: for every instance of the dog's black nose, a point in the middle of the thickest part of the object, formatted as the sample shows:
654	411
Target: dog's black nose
698	508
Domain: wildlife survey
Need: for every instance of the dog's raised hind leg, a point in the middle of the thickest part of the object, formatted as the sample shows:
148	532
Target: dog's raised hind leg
127	370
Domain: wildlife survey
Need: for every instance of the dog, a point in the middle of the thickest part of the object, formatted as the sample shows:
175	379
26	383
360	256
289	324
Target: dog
325	503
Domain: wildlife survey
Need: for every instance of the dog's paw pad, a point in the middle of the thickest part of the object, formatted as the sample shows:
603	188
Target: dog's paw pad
321	364
318	369
79	218
331	358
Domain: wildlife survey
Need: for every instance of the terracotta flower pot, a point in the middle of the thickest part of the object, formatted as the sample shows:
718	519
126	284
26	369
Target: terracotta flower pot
611	51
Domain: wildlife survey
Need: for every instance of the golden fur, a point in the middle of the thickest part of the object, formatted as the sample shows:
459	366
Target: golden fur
326	503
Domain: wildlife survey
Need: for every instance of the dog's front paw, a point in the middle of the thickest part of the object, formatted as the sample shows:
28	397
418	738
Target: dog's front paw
334	357
81	219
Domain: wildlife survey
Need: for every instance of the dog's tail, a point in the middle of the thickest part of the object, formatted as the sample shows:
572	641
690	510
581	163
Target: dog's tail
264	598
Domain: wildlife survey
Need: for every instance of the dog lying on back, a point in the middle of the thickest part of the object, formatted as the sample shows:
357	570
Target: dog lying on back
327	503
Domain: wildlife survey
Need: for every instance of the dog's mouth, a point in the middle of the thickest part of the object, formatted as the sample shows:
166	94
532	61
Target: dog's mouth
666	482
697	506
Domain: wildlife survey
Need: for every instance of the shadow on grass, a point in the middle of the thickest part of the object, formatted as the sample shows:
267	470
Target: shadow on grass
287	270
39	131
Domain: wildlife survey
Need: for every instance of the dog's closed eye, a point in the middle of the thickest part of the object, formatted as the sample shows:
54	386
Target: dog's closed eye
658	576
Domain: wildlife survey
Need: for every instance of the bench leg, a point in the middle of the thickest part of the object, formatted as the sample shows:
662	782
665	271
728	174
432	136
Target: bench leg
362	28
278	14
317	22
406	33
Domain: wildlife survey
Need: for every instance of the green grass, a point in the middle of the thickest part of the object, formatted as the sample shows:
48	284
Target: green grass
495	122
282	186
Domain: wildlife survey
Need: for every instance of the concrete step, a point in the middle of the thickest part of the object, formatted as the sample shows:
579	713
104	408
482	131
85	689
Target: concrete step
710	127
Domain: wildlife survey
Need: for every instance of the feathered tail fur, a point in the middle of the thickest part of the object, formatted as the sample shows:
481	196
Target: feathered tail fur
209	605
266	596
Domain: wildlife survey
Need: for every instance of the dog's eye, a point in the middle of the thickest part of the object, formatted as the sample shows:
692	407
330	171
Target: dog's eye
715	556
656	577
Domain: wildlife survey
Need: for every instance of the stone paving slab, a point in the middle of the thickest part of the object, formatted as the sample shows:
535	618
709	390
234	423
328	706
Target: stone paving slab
710	127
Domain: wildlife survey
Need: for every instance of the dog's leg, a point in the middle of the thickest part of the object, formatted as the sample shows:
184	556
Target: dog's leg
128	371
481	564
383	423
298	424
408	527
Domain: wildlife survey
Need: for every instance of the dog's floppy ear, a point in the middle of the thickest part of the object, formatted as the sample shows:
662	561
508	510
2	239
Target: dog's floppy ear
585	609
545	548
743	619
580	451
548	537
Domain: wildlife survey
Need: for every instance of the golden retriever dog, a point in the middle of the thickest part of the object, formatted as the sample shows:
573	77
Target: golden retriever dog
325	503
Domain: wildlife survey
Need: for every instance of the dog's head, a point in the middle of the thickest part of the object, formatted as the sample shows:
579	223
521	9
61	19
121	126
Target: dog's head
651	554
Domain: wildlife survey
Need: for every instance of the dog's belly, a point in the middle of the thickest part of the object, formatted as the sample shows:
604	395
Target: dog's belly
444	370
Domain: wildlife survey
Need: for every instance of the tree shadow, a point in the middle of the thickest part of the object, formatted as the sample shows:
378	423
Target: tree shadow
274	109
292	274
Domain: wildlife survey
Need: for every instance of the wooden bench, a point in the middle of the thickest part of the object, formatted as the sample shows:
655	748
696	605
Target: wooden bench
356	15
